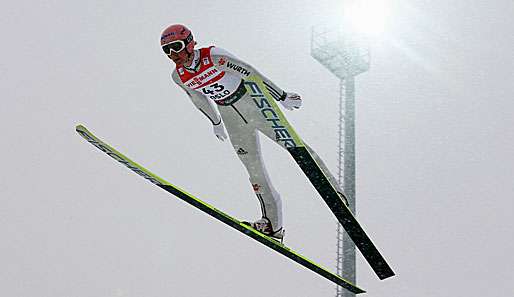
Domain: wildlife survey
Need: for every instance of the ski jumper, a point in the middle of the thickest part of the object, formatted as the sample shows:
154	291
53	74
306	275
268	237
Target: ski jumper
216	82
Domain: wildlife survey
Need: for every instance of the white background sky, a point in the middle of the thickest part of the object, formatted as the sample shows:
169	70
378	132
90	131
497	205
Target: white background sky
434	151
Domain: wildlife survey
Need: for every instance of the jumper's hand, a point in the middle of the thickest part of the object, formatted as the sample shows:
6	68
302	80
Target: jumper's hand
292	101
219	131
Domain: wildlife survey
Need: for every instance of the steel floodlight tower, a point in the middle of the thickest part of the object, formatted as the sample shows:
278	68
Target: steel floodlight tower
341	52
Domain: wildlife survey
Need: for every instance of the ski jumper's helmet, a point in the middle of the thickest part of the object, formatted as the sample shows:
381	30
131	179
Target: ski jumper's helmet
176	38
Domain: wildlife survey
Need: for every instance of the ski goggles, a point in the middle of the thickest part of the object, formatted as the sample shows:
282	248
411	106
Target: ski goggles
177	45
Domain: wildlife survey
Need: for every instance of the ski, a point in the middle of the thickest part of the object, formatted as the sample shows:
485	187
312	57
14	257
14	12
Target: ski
341	212
215	213
318	179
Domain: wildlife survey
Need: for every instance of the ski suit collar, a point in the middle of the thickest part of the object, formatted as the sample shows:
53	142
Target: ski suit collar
195	63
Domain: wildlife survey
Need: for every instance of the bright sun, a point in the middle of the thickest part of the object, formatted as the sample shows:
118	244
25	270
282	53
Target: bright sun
367	16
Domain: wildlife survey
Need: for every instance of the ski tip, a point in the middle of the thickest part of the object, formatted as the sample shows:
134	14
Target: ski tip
80	128
386	276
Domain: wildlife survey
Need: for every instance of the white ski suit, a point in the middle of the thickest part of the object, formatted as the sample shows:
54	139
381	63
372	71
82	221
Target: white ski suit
217	76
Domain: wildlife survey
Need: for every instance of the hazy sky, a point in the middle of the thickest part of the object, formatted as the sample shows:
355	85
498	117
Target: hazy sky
434	151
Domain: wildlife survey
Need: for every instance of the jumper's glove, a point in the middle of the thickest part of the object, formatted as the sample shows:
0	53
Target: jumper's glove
219	131
291	101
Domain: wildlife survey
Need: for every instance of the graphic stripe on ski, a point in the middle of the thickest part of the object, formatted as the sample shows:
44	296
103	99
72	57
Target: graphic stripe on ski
221	216
320	182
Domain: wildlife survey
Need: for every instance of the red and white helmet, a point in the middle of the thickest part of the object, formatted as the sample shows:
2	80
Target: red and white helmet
177	37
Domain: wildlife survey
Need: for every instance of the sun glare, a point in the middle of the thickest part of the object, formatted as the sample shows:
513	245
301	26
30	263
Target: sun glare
367	16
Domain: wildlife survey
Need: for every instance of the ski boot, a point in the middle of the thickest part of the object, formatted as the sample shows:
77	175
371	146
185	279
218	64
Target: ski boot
263	225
